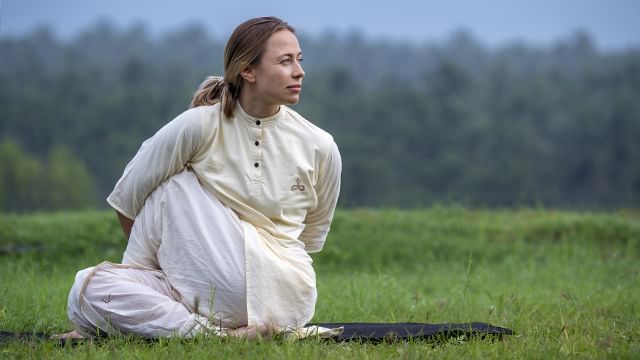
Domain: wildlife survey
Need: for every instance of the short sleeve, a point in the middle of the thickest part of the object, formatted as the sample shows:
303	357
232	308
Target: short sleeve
164	154
318	220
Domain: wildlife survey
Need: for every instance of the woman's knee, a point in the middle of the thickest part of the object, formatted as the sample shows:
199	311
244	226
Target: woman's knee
80	279
74	310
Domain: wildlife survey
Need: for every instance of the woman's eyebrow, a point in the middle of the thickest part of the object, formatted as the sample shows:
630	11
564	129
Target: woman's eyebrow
286	56
290	55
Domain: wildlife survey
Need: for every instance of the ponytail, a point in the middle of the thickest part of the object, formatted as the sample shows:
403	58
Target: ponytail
209	92
214	90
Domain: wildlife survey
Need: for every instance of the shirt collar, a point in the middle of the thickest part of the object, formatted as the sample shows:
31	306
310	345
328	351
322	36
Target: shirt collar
270	120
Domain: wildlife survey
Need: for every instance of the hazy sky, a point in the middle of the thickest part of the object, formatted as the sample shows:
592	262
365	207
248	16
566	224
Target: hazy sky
612	23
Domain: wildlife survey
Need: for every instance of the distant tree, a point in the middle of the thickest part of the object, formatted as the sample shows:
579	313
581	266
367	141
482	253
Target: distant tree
22	180
69	184
26	184
416	124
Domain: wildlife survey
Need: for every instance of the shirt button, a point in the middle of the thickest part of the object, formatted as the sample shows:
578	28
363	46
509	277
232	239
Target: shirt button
257	142
257	122
256	164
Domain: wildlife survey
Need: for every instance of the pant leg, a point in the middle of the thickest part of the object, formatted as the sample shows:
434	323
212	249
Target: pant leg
146	233
202	251
197	243
112	298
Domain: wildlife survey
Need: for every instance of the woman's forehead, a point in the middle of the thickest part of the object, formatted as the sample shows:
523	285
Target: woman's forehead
283	42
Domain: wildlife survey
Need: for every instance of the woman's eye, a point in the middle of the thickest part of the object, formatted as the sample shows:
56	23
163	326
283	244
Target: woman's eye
300	59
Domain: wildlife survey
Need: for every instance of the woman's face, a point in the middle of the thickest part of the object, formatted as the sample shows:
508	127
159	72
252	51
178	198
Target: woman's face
277	78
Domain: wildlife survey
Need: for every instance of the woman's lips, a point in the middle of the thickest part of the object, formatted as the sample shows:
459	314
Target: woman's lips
295	88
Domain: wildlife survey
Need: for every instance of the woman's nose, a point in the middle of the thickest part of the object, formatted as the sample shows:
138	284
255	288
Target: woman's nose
298	72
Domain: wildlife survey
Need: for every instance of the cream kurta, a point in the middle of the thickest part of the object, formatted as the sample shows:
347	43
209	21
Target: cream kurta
281	175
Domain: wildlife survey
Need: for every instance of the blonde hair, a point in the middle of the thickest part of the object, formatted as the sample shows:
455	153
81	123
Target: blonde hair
244	47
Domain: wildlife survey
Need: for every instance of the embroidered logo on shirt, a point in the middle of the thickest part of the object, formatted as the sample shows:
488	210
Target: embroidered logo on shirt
298	185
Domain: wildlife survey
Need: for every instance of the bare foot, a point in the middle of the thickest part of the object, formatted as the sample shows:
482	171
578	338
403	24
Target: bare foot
67	336
253	332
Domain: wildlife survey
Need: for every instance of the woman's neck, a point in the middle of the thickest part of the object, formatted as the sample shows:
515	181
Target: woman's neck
256	108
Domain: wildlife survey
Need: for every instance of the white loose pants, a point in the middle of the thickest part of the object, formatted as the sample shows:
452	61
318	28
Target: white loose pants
183	271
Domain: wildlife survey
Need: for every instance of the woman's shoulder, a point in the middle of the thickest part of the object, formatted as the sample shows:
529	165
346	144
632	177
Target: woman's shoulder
307	129
203	117
207	111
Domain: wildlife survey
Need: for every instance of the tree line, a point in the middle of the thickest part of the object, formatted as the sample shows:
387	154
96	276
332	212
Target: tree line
452	121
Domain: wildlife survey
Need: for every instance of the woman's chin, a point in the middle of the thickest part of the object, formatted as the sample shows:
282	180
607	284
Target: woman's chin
292	101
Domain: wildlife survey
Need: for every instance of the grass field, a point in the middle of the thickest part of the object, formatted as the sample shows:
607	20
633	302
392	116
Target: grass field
568	283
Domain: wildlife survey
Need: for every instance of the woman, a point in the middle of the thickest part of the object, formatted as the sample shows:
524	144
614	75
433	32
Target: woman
221	207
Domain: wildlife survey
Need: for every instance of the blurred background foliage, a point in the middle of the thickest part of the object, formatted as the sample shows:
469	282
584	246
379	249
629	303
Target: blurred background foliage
452	121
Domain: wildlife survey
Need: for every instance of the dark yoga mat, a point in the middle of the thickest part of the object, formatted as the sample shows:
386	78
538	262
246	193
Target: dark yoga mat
363	332
376	332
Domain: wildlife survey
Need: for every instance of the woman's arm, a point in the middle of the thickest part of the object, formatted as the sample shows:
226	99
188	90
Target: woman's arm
161	156
319	219
125	223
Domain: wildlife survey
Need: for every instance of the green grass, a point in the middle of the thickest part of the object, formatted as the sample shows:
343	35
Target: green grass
568	283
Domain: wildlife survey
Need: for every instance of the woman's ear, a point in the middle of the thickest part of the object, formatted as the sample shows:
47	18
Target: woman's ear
248	74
